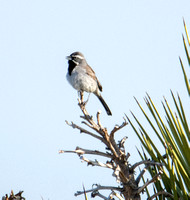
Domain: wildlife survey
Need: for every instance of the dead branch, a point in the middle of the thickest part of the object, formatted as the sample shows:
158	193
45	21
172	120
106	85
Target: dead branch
13	196
81	151
149	162
164	193
154	179
96	163
122	142
98	120
117	127
96	193
141	174
99	187
117	158
117	195
82	130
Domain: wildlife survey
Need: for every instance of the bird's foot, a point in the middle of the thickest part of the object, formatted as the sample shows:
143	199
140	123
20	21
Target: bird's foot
81	98
85	102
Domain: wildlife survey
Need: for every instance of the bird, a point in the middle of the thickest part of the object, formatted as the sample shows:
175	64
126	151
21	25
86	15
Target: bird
82	77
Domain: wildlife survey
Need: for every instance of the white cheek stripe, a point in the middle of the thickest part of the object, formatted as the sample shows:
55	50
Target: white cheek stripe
75	62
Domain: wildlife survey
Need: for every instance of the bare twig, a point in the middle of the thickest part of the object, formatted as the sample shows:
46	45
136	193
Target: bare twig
13	196
149	162
99	187
86	116
96	193
117	195
82	130
117	127
155	178
98	130
81	151
121	145
112	140
141	174
166	194
98	120
122	142
96	163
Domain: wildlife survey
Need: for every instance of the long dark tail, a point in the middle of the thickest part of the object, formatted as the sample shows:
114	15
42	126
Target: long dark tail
104	104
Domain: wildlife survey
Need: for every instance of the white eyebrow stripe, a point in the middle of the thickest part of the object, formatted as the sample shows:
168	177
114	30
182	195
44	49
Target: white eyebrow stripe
80	57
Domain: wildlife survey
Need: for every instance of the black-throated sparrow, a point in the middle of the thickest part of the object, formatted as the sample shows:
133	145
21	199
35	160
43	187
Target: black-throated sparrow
82	77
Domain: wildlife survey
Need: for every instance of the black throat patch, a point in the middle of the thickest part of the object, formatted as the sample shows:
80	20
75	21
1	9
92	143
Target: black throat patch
72	65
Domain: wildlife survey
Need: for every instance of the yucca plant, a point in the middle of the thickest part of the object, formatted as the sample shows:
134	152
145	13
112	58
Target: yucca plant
173	134
188	57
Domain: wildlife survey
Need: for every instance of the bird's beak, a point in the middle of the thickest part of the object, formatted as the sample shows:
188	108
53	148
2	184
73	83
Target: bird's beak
68	57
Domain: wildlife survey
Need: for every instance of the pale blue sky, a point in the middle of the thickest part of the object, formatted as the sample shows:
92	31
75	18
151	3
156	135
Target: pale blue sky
132	45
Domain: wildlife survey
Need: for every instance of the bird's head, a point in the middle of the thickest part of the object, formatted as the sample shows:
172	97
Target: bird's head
76	57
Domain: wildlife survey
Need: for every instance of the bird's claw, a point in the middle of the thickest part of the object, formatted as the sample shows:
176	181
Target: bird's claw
81	98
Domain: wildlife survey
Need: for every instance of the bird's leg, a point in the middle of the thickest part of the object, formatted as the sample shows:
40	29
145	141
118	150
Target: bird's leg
87	99
81	96
78	92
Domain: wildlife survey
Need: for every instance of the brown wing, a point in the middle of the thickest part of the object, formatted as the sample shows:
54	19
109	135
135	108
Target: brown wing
92	74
